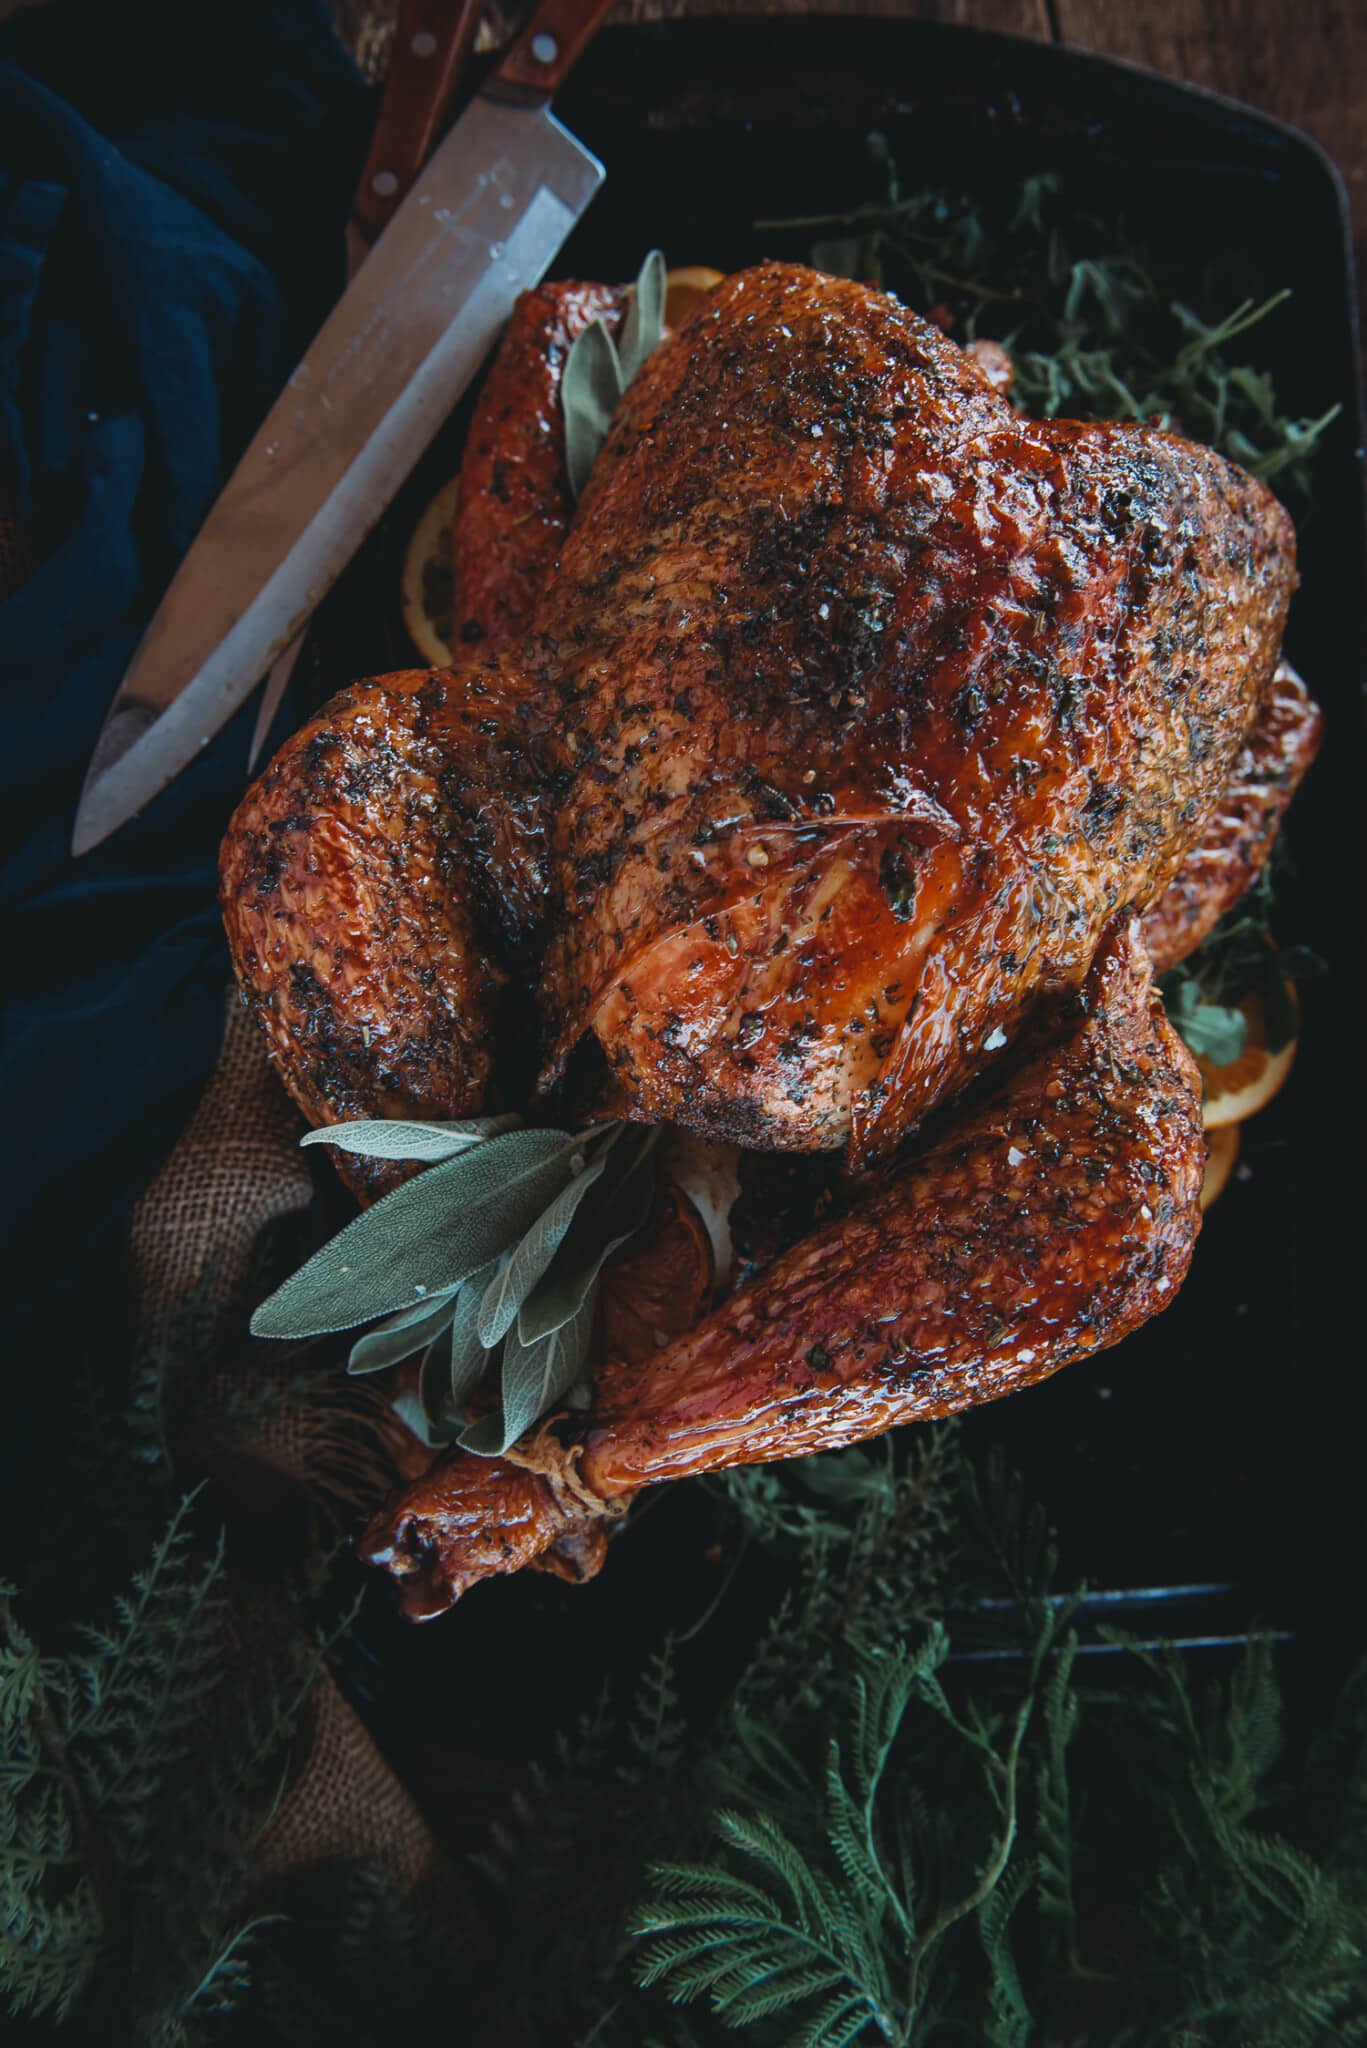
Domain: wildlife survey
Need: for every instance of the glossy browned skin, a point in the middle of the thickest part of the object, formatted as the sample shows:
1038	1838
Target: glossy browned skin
440	1539
1045	647
844	744
879	703
995	363
351	871
1239	833
345	897
514	504
1043	1226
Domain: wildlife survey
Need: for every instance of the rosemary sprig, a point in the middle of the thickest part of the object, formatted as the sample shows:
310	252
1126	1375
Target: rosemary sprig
1078	302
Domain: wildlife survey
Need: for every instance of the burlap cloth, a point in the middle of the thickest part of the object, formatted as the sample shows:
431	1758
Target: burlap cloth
199	1240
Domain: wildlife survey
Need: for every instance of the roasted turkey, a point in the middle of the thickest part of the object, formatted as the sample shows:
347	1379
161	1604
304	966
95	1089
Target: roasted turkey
855	747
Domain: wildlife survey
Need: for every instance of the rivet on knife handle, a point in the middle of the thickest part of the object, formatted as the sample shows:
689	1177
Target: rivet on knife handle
432	41
549	46
432	44
484	219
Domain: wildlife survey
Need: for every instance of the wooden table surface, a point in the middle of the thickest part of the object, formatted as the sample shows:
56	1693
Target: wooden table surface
1303	60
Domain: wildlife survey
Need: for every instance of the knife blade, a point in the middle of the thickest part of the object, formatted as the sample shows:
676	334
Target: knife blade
481	224
432	44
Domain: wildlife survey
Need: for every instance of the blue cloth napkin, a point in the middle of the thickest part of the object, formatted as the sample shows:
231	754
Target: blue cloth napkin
173	186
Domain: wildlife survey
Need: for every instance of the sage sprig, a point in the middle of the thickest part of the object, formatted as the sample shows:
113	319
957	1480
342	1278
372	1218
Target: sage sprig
488	1262
599	369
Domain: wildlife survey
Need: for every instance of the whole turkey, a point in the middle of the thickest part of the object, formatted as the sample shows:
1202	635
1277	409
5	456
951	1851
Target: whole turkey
852	749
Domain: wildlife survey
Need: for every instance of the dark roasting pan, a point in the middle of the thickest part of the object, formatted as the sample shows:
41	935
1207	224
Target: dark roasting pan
1215	1447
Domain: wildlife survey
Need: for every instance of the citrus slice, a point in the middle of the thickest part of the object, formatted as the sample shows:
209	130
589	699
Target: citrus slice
685	288
1246	1084
1222	1149
659	1285
426	586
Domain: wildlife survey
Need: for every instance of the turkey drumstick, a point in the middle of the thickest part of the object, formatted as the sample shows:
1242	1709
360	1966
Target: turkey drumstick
1044	1225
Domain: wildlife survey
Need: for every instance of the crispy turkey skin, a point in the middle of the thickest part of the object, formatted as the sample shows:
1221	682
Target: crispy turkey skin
513	503
878	702
858	729
1042	1227
853	710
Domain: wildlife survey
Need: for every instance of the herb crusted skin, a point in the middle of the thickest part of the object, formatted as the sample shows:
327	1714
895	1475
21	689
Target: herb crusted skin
857	718
827	596
1240	831
1042	1227
1006	667
513	505
353	931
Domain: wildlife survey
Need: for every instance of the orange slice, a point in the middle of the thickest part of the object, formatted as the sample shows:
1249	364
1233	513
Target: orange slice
426	583
659	1285
1245	1085
686	288
1222	1149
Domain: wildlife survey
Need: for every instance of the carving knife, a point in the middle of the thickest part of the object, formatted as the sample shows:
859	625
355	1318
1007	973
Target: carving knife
432	44
482	223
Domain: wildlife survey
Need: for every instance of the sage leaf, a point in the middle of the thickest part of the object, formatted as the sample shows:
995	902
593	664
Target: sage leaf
424	1238
517	1275
596	1233
597	372
397	1139
535	1376
487	1437
1218	1034
467	1357
434	1381
403	1334
408	1407
643	329
589	391
1212	1030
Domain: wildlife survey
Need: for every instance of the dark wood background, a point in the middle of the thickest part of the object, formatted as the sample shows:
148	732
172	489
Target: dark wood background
1303	60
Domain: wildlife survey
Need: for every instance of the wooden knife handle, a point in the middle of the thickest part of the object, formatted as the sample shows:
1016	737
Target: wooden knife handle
432	42
541	58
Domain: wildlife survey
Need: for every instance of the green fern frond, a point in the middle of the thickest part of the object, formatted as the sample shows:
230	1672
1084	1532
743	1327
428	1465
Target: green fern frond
1059	1709
139	1765
1010	2023
1013	1530
824	1919
1337	1782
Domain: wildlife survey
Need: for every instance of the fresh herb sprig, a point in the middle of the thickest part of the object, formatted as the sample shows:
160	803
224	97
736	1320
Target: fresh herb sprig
874	1837
487	1264
599	369
1176	1870
1077	301
1204	996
